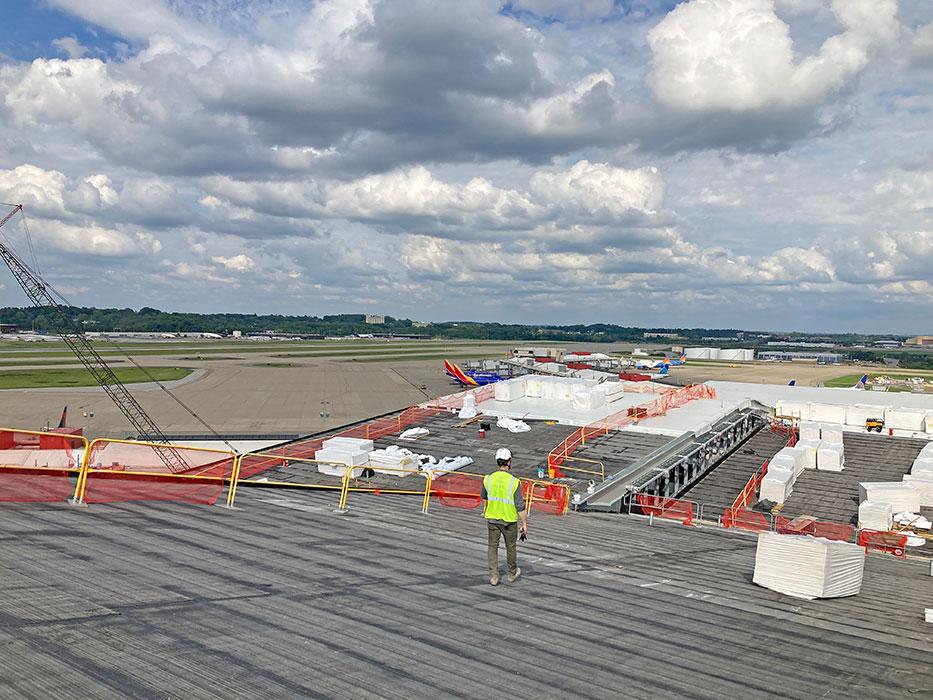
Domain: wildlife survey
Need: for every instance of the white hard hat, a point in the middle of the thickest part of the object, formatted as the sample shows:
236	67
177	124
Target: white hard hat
503	453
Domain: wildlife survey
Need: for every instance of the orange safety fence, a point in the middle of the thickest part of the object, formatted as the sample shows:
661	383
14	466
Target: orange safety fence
124	470
545	497
38	466
455	401
663	507
458	490
748	493
746	520
891	542
805	525
665	402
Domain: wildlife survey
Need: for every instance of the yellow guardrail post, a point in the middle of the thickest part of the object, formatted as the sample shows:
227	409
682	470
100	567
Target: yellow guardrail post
427	492
234	481
344	490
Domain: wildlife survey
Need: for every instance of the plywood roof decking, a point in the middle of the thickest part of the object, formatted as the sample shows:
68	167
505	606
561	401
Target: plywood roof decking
281	598
834	496
719	487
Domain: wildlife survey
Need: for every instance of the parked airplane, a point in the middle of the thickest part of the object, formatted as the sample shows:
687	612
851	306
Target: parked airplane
860	384
470	377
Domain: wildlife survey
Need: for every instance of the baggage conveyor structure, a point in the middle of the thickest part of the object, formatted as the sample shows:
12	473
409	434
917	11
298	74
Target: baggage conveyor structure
673	468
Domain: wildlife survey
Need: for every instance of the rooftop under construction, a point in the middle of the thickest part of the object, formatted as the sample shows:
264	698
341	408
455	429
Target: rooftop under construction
717	537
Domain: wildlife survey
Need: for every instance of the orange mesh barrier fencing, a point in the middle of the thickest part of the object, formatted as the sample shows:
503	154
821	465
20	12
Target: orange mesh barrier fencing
455	401
665	402
458	490
543	497
891	542
26	485
122	470
811	526
748	494
746	520
37	466
667	508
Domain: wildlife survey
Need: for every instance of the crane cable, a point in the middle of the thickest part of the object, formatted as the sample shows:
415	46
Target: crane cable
61	297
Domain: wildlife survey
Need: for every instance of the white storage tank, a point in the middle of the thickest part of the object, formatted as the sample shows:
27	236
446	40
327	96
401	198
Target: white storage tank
732	355
698	353
748	355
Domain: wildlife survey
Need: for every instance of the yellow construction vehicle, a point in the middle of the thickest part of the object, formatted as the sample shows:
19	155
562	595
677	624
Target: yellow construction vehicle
876	424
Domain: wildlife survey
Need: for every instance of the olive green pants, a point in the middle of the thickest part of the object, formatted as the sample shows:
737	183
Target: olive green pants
509	532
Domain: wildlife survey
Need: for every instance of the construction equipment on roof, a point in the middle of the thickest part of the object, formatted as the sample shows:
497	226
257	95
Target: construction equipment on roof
44	296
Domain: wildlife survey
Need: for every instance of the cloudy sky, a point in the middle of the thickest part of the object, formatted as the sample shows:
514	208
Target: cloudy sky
734	163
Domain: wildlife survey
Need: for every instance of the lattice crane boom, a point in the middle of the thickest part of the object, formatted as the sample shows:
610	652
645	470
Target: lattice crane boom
40	295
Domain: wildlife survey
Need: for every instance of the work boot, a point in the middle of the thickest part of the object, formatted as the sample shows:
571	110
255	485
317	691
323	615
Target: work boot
514	576
494	579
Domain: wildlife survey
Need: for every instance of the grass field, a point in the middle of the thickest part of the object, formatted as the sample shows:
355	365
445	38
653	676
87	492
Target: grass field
46	378
849	380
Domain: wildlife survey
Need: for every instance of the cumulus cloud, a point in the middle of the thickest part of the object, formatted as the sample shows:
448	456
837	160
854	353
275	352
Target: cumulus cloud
738	55
575	9
237	263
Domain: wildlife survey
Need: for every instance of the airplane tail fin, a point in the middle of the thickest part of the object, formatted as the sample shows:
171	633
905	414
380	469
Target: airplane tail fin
61	421
664	369
458	374
860	384
792	382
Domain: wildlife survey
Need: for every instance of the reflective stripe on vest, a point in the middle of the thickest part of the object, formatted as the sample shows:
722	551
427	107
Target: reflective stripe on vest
500	496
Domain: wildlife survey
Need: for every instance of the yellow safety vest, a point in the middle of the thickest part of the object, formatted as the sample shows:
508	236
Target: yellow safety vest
500	496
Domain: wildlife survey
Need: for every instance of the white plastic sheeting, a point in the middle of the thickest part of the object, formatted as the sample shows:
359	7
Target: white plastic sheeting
830	458
875	516
808	567
447	464
512	425
904	419
922	464
901	495
809	430
394	460
924	485
414	433
913	520
469	407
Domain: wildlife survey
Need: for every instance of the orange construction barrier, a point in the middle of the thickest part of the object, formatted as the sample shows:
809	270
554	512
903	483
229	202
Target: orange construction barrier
746	520
811	526
891	542
662	507
38	466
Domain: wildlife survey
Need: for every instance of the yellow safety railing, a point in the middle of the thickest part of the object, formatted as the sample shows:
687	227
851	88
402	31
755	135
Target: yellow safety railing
602	467
87	469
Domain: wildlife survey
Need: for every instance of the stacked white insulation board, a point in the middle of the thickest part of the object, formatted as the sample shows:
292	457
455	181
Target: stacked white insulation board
808	567
875	516
584	394
901	496
338	453
853	416
783	470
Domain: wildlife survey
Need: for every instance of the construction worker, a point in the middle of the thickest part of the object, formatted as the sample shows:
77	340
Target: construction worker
503	507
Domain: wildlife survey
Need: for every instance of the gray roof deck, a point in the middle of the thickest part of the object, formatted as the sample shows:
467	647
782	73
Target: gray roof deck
282	598
834	496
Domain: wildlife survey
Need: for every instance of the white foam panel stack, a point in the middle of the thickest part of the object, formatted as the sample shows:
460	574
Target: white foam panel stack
830	458
904	419
901	495
808	567
875	516
777	486
924	485
809	430
510	389
831	434
808	448
922	465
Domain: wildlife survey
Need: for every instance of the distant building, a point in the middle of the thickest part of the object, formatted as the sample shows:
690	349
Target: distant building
669	336
375	319
9	328
821	358
920	340
420	324
887	343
